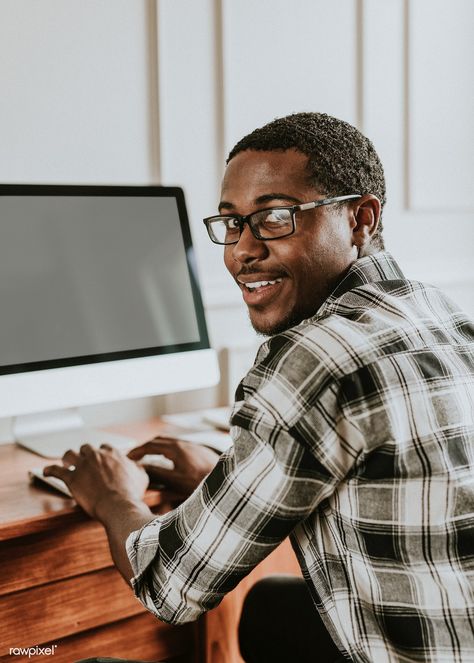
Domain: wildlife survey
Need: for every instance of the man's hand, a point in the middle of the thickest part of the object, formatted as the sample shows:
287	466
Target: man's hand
100	478
192	462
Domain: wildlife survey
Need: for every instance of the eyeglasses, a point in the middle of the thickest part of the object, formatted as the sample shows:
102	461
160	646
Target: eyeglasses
266	224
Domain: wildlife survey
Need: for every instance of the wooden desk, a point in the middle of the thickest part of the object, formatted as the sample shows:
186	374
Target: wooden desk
58	585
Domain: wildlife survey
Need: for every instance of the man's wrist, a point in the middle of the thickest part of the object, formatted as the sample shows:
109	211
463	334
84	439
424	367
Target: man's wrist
115	508
120	515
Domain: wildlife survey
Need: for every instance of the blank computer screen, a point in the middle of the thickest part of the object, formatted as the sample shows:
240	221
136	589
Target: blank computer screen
85	276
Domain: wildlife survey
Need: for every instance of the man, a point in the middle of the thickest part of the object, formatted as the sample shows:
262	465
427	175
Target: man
352	432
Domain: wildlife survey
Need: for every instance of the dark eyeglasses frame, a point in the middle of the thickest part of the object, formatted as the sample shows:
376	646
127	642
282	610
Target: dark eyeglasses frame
292	209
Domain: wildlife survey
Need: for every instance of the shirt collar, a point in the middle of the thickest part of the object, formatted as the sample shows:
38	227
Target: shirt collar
369	269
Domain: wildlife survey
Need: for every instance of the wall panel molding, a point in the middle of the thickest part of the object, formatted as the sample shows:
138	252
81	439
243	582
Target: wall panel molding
151	35
359	63
218	22
405	44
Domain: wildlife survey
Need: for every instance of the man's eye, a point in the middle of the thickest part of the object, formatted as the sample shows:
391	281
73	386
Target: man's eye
276	217
232	224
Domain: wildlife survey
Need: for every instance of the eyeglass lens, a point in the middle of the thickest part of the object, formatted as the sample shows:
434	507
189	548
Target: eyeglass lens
267	224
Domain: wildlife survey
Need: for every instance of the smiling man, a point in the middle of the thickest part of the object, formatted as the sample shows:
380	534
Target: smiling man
287	281
353	431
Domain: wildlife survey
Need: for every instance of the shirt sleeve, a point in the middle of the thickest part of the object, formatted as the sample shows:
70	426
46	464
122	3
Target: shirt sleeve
187	560
293	443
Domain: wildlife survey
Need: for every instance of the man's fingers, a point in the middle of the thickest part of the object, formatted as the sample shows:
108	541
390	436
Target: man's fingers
59	472
70	458
161	475
157	446
86	450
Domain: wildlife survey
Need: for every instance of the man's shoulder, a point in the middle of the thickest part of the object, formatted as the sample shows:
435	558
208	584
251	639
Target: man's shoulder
363	324
350	329
302	366
319	350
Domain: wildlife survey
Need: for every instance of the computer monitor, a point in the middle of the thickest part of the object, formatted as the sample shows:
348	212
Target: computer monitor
99	302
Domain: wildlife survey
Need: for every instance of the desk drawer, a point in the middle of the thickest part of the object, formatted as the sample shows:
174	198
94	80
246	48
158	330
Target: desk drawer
53	555
54	611
139	637
70	547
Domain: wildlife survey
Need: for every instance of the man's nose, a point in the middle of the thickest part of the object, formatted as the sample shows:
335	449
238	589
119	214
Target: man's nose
249	248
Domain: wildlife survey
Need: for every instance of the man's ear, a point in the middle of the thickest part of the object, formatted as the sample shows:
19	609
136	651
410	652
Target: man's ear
366	210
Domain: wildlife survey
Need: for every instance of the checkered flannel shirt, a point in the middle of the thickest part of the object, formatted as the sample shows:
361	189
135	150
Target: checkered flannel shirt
353	434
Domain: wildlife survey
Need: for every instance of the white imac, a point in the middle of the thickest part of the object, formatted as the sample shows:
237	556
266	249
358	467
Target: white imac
99	302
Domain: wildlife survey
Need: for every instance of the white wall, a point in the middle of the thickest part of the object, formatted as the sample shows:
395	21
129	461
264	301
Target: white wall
74	91
401	70
115	91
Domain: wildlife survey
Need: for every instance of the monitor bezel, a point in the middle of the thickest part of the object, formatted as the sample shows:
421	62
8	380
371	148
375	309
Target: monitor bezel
93	190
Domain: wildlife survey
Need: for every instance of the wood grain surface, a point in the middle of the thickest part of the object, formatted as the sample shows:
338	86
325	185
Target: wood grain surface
141	637
41	558
54	611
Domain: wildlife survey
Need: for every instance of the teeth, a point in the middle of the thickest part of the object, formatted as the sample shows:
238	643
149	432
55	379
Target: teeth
260	284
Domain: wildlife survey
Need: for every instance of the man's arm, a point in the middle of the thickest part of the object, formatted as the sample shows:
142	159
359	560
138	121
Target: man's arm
184	562
187	560
110	488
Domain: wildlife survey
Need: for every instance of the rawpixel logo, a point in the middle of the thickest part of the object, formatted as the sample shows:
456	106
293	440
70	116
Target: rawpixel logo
33	651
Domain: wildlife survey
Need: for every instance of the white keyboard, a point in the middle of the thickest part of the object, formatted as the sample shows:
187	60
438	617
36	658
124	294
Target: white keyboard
37	473
55	444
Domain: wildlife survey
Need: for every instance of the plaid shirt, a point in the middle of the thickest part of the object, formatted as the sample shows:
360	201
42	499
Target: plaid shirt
353	434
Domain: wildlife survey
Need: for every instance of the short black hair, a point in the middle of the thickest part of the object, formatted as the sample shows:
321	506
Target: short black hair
341	159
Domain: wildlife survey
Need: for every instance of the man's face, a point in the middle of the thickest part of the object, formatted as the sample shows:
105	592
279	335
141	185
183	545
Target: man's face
305	266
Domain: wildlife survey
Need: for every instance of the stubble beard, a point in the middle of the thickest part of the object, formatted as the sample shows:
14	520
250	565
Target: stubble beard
292	319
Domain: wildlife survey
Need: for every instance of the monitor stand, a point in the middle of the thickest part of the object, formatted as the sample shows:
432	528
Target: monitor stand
51	434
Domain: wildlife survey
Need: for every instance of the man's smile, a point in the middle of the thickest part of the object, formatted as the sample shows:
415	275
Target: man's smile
259	289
